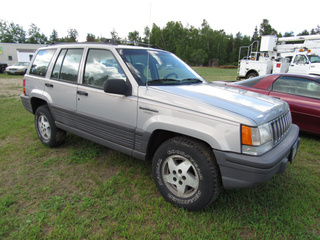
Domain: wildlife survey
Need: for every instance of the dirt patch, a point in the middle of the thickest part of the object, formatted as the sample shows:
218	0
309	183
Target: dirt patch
11	87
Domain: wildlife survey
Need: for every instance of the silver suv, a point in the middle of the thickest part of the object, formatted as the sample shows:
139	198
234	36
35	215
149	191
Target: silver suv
147	103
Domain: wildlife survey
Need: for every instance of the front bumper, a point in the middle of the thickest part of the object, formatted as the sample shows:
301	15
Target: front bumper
243	171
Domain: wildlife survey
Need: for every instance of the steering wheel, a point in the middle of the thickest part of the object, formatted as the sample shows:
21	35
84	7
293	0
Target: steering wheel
170	74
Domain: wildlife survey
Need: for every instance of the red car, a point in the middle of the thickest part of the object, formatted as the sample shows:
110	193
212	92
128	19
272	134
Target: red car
301	92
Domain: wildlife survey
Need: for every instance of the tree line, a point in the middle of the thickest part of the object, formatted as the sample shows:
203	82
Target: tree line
197	46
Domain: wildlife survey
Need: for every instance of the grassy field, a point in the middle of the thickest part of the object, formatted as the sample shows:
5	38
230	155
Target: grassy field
82	190
217	74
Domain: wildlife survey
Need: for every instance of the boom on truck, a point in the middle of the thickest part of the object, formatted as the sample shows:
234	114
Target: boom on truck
280	55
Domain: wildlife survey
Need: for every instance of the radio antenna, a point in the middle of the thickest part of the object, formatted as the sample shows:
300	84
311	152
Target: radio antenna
148	45
149	24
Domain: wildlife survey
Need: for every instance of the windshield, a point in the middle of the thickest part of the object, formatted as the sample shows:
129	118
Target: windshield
154	67
250	82
314	58
21	64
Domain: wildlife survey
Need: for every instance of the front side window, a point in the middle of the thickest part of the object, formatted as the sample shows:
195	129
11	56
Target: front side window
297	86
67	65
303	59
100	66
300	59
42	60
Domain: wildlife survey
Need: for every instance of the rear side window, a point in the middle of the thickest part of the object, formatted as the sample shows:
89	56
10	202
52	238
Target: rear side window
41	62
67	65
297	86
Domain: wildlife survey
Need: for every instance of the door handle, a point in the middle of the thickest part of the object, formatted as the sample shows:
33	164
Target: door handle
82	93
48	85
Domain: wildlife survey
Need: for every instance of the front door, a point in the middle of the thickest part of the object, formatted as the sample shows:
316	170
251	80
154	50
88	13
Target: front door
109	119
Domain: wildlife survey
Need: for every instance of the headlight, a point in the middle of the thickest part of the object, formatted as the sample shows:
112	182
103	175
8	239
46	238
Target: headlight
256	140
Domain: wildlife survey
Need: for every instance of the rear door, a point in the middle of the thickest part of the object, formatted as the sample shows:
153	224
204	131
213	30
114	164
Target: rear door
303	96
61	87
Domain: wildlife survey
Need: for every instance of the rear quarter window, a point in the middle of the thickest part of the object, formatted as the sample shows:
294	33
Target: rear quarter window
41	62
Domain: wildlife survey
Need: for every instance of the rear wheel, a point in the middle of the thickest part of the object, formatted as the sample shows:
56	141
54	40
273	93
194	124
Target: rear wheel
49	134
186	173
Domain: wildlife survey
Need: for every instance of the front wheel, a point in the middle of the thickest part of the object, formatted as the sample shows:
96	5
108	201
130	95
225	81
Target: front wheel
251	75
186	173
49	134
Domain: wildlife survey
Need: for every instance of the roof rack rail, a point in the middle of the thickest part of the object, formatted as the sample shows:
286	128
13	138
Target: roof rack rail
116	41
57	43
111	41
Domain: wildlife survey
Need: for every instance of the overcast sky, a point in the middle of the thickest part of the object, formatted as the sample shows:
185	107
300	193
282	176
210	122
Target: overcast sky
101	17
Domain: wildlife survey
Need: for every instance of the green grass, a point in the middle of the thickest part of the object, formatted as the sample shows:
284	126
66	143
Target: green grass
5	75
82	190
217	74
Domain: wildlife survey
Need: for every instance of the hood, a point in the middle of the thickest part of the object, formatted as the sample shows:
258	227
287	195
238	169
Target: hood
17	67
219	100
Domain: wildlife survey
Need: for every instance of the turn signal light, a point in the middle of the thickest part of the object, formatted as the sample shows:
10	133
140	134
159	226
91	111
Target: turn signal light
246	135
24	87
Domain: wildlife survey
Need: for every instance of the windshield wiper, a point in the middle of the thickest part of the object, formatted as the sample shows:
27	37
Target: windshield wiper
169	81
163	81
191	80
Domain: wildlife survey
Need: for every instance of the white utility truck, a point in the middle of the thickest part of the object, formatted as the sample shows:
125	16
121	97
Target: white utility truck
280	55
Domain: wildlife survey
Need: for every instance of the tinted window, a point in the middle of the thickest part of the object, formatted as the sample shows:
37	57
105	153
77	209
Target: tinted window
100	66
41	62
297	86
67	65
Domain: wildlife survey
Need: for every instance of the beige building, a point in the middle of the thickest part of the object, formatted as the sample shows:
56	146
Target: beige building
11	53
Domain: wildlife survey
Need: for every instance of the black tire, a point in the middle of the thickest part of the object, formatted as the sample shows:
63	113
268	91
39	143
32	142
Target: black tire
186	173
251	75
49	134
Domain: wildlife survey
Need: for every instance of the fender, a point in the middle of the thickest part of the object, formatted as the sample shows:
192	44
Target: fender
219	134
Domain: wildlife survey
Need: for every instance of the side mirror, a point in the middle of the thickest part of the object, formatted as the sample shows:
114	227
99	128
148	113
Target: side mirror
117	86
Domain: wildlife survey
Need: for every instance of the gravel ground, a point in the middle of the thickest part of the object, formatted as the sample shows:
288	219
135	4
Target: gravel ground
11	87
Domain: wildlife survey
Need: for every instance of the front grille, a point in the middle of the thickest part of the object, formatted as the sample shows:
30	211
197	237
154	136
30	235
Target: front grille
280	127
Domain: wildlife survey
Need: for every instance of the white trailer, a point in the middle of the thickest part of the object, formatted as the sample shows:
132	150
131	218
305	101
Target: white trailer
280	55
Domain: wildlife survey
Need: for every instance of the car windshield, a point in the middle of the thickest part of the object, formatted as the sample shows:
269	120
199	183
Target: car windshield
21	64
314	58
250	82
155	67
